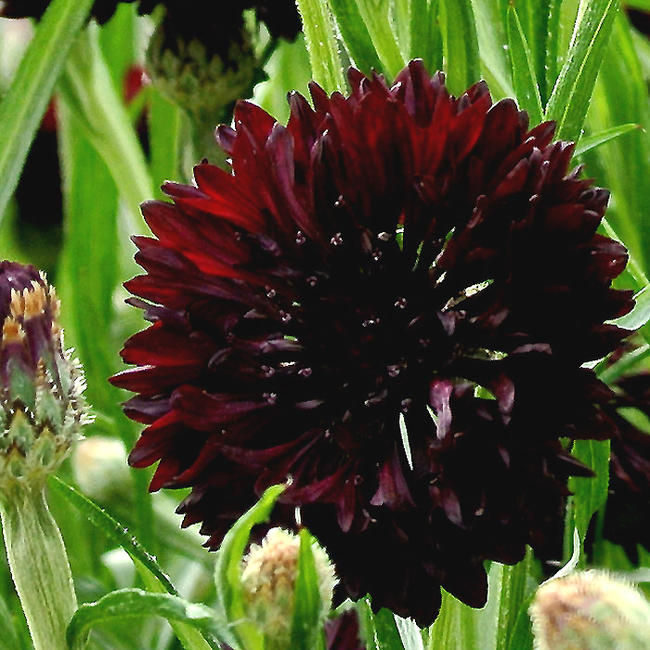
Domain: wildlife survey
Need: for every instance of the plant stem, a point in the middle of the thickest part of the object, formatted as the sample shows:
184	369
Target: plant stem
39	566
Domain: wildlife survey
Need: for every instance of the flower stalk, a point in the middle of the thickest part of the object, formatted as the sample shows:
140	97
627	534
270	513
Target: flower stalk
39	565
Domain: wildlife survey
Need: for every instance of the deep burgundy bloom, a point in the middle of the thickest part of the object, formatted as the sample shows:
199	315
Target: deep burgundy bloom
388	302
214	20
627	513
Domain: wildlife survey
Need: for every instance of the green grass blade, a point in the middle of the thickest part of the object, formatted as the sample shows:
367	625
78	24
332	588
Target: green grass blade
523	69
378	630
425	37
552	47
27	98
114	531
460	44
572	92
321	44
306	624
375	15
455	627
490	18
135	604
355	35
589	142
164	139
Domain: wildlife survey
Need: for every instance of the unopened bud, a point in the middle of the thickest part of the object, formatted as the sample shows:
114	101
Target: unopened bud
590	611
42	408
202	81
269	576
100	469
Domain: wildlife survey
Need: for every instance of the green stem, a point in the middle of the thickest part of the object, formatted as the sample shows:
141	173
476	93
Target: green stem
376	17
39	566
321	44
88	90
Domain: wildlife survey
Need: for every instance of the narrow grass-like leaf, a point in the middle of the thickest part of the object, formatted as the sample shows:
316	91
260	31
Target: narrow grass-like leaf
227	573
551	49
375	15
523	70
460	44
136	603
493	46
425	38
89	91
321	44
113	530
409	633
378	630
522	633
355	35
623	166
589	494
164	139
572	93
640	315
455	627
307	624
27	98
589	142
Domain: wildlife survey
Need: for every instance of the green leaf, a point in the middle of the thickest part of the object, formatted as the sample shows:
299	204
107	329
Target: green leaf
589	494
490	19
589	142
307	622
136	603
230	601
425	36
355	35
572	92
88	89
378	630
551	49
640	315
460	44
455	627
164	137
375	15
523	70
623	166
114	531
321	44
409	633
27	98
522	633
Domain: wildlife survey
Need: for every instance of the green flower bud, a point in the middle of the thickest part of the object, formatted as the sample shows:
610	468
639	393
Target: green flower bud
100	468
590	611
42	408
202	81
269	574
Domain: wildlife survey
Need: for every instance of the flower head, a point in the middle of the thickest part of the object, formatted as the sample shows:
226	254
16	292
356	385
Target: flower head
388	302
41	403
589	610
269	575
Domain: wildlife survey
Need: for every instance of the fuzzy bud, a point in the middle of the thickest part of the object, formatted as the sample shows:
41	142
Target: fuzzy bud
269	576
590	611
100	468
201	81
41	404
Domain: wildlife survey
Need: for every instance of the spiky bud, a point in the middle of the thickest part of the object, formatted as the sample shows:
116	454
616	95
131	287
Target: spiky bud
202	81
590	610
269	576
41	404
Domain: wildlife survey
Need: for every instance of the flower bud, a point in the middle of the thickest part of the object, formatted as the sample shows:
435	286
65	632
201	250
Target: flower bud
269	576
41	404
101	470
590	611
202	81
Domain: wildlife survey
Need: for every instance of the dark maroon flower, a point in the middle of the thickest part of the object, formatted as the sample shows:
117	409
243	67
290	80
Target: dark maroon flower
387	303
627	513
212	20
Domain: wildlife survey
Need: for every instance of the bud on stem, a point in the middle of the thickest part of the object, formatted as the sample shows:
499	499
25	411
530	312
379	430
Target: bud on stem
39	565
